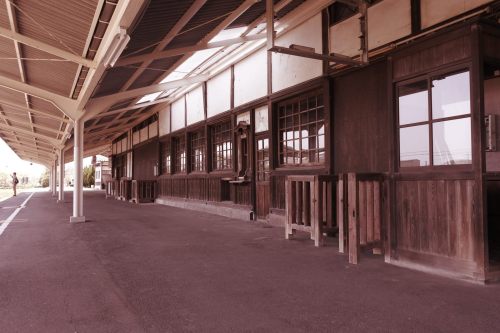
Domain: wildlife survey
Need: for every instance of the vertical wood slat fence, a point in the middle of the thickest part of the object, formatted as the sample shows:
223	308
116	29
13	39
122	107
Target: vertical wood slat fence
125	191
310	205
112	189
143	191
360	216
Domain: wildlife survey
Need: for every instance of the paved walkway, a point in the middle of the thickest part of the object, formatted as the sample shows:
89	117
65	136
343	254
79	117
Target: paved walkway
159	269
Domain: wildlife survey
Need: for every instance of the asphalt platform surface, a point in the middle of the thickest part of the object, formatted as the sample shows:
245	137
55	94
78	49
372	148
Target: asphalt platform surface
151	268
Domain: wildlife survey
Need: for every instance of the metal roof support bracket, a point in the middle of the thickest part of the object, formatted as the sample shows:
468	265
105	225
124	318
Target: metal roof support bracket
306	52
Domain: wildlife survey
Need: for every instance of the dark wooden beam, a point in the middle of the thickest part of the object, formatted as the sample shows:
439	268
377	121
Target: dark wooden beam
416	19
332	57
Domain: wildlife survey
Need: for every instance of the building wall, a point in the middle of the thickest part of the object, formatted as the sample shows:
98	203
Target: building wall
145	159
434	216
361	127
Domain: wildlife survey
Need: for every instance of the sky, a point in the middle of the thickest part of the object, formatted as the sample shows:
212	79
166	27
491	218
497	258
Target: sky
10	162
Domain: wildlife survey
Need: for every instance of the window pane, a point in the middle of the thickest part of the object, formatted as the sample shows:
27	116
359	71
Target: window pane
452	142
298	130
451	96
414	146
413	103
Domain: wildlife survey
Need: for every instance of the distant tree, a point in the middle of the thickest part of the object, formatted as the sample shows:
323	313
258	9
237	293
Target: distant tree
44	179
88	176
4	179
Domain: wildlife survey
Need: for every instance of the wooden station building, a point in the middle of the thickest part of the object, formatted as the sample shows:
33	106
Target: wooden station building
370	122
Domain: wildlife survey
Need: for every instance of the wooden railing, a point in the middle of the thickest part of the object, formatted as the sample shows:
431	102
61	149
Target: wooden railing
143	191
112	189
125	191
309	205
359	217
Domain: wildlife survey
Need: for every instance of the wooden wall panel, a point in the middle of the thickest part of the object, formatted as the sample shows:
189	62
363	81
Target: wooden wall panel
492	106
361	129
432	56
436	217
278	191
241	194
263	199
197	188
145	158
491	46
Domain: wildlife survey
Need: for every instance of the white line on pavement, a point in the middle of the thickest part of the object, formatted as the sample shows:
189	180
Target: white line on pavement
14	214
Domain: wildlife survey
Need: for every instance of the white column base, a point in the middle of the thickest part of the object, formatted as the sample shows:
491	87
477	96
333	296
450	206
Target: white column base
77	219
60	201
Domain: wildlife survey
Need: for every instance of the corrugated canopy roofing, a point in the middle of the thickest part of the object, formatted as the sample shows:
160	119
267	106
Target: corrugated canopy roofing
51	45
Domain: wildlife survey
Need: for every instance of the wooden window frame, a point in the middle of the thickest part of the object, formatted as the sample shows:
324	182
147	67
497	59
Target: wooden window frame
222	136
262	173
179	159
429	77
166	166
197	148
317	93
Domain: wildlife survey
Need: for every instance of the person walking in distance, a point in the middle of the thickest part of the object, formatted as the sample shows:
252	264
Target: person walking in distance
15	181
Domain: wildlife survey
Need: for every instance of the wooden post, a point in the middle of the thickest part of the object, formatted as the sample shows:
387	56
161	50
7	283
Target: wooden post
362	211
307	202
288	202
318	212
340	212
328	184
352	191
290	206
377	234
369	211
300	205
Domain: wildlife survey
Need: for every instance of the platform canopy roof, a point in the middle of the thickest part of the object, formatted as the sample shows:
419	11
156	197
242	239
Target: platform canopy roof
56	62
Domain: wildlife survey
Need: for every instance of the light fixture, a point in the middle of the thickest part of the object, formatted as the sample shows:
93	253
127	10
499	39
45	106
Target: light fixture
115	49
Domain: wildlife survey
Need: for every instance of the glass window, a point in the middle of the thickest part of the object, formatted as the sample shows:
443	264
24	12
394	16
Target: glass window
222	146
444	131
414	146
198	148
450	96
263	159
179	144
452	142
302	130
261	119
413	103
166	158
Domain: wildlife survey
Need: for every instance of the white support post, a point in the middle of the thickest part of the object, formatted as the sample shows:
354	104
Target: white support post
54	179
61	175
78	183
50	179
